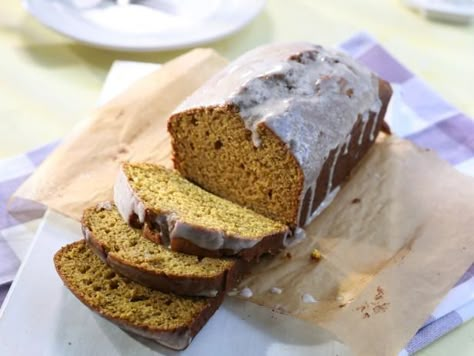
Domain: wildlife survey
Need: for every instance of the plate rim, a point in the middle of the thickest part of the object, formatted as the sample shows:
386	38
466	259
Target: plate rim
251	14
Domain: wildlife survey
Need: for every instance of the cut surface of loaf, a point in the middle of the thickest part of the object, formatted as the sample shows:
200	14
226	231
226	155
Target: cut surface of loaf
190	219
168	319
280	129
125	250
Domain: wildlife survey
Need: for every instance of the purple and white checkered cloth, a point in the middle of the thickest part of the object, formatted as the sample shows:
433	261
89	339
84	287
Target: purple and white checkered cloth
429	121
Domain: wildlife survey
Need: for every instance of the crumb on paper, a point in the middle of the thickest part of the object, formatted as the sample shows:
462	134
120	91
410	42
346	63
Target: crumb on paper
380	293
362	308
288	255
356	201
381	308
246	293
378	305
316	255
276	290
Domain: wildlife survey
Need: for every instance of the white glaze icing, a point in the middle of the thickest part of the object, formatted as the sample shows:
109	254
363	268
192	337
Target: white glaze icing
292	239
210	240
308	298
126	200
347	142
374	125
276	290
246	293
333	168
365	118
324	204
86	232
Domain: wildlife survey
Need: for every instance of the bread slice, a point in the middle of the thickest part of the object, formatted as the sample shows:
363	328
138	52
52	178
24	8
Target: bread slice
130	254
190	219
168	319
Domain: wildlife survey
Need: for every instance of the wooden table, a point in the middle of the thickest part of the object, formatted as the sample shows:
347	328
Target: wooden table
49	82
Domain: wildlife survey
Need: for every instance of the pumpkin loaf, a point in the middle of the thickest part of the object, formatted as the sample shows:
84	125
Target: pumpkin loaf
125	250
280	129
189	219
168	319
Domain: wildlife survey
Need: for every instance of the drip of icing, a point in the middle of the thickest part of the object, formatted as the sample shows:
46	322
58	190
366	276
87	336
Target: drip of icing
372	130
246	293
308	298
333	168
365	120
126	200
347	142
324	204
291	240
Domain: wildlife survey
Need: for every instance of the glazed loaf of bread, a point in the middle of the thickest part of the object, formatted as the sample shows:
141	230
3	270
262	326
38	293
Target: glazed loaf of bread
280	129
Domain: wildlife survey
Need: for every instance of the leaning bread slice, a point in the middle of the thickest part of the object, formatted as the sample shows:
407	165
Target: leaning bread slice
190	219
125	250
168	319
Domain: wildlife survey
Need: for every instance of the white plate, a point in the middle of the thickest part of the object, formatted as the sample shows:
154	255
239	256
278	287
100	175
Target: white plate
133	27
41	317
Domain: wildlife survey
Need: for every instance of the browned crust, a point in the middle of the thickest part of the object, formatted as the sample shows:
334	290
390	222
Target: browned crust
156	334
152	235
385	93
168	283
271	244
347	162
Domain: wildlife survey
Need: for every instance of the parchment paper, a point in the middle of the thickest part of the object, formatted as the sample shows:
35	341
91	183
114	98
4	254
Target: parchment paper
394	241
131	127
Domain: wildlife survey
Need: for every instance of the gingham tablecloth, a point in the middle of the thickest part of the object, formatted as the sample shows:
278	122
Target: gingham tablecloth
431	122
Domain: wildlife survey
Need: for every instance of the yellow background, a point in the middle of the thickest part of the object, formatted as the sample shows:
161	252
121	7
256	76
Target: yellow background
49	82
